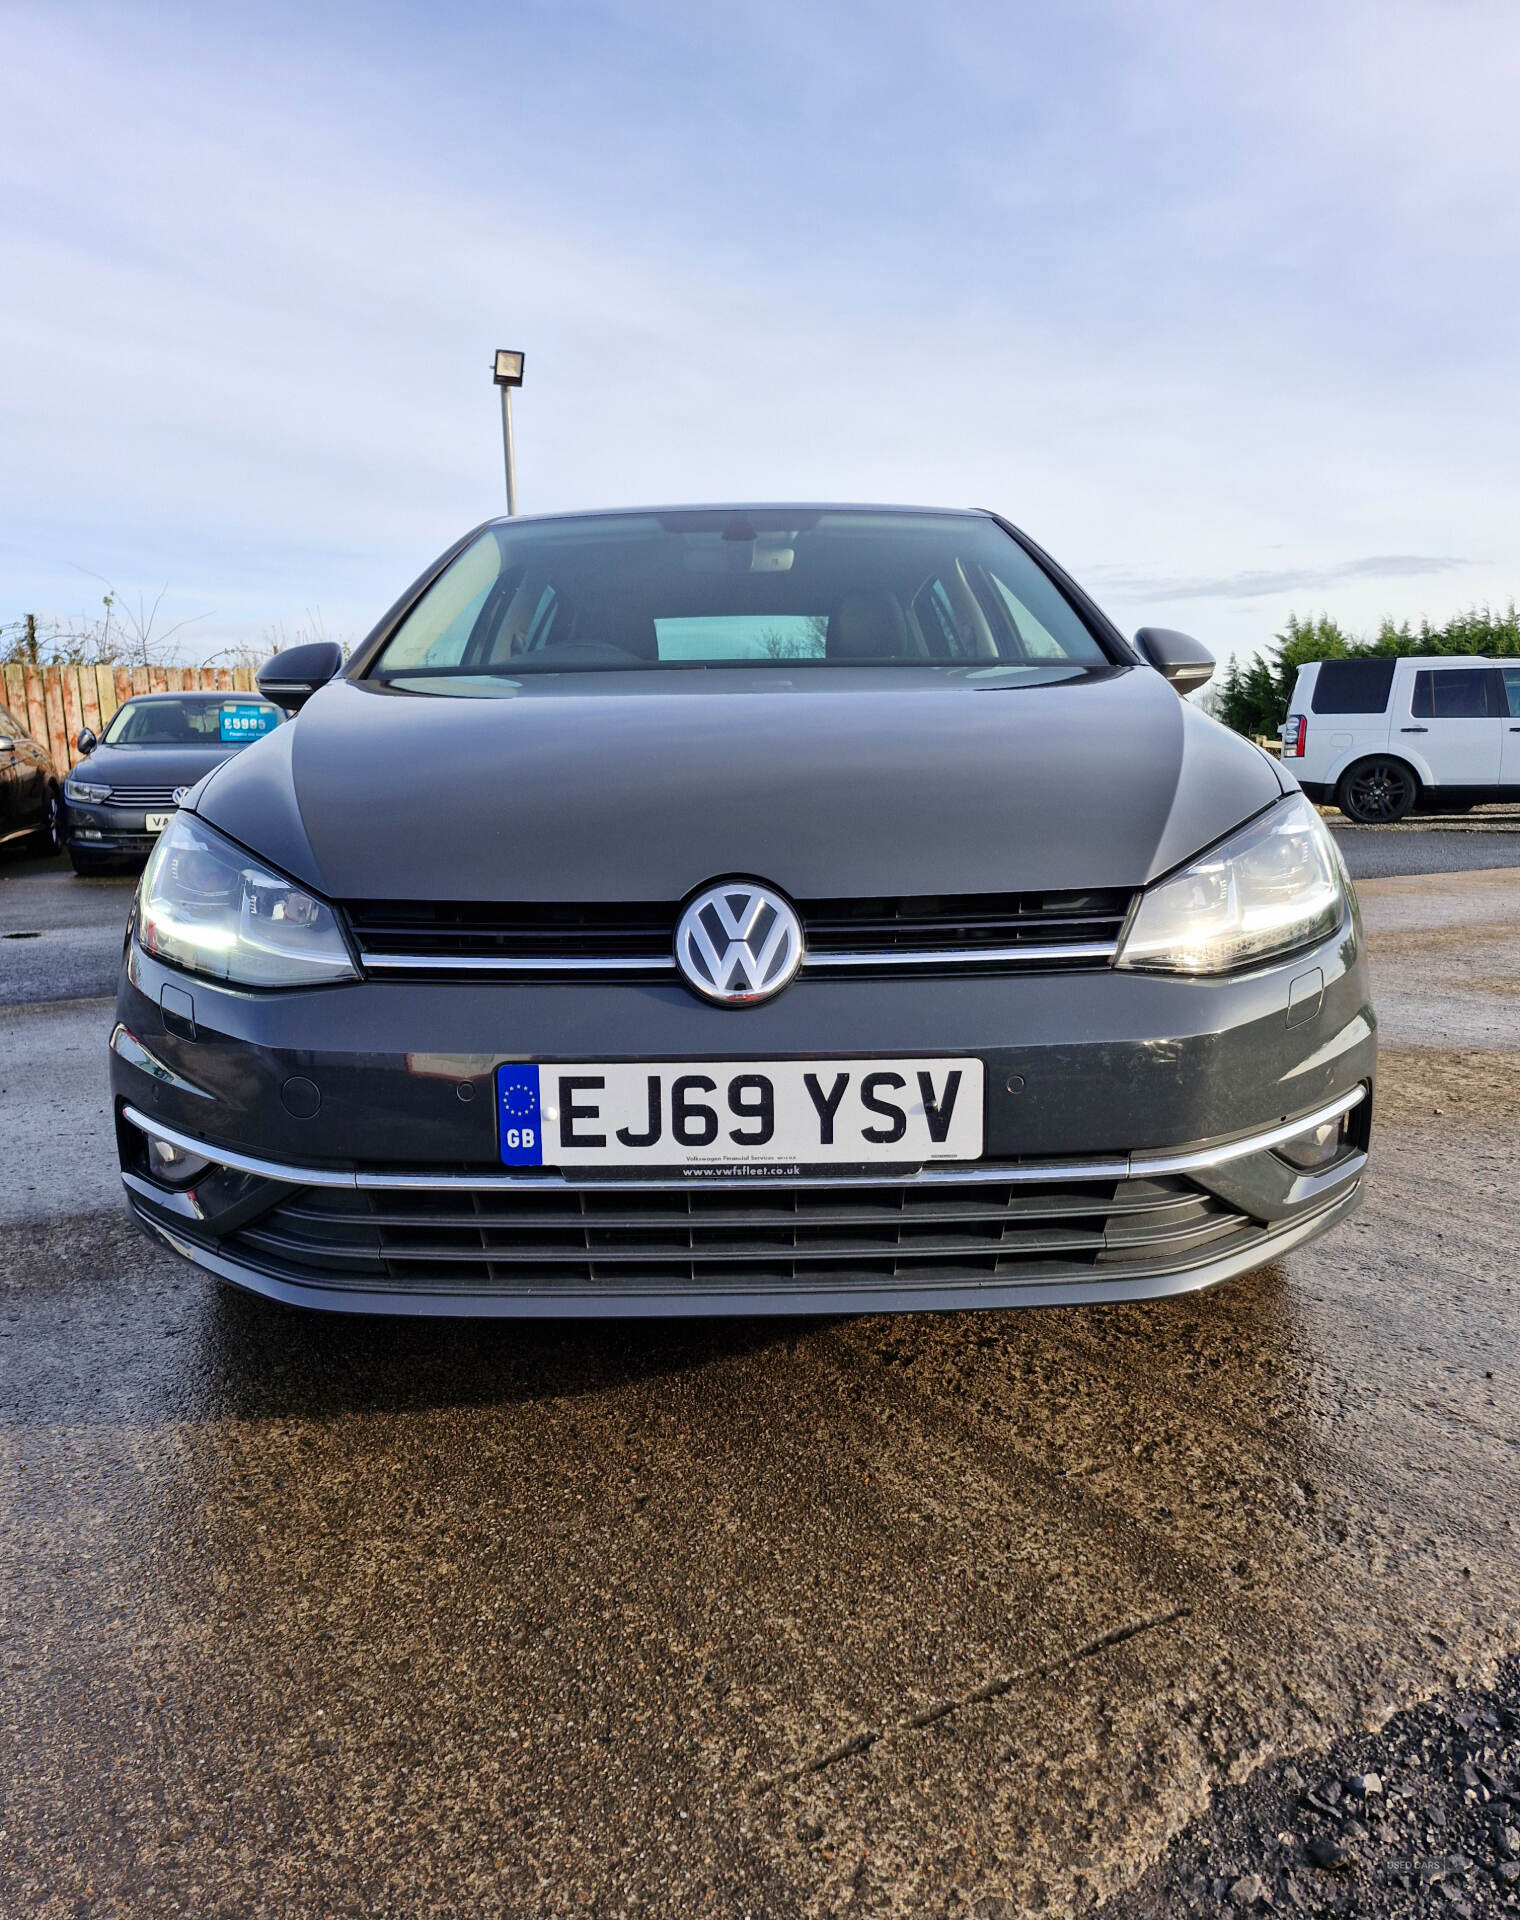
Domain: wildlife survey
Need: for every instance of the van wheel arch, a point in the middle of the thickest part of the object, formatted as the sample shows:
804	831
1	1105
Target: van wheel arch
1377	790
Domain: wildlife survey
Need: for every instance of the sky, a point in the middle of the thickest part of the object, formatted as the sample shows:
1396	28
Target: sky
1217	301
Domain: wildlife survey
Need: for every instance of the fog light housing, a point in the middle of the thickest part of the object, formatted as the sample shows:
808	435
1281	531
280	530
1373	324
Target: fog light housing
1318	1146
175	1166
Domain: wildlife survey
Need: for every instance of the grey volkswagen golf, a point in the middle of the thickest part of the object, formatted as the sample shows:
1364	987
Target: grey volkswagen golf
750	909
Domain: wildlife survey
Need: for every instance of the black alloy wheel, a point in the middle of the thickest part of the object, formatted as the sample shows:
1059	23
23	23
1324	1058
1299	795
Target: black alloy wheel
1375	793
50	833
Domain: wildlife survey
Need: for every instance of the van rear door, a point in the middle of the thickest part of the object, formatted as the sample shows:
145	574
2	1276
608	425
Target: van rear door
1453	722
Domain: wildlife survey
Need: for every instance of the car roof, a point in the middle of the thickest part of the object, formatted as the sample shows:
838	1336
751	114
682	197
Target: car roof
1406	659
198	693
744	506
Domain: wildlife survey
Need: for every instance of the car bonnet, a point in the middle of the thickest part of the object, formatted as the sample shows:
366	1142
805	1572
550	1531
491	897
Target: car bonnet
901	787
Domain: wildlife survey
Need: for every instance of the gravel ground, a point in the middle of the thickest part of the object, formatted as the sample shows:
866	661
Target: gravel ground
1420	1819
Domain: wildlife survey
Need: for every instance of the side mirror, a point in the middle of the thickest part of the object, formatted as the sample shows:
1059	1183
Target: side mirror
292	677
1177	657
85	740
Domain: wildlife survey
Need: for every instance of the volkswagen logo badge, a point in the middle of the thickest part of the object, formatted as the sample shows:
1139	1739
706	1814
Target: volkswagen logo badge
738	942
179	795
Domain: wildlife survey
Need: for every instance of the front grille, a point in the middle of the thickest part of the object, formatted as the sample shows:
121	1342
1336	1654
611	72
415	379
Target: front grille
993	928
549	1237
146	796
506	931
953	932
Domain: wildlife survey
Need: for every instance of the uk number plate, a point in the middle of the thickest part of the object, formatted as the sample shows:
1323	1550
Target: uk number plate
739	1114
158	821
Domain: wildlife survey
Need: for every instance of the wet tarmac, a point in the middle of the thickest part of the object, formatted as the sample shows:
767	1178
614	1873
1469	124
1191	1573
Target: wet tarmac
948	1614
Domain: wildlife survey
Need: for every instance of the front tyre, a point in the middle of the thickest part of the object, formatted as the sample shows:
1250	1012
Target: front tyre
89	866
1377	792
50	833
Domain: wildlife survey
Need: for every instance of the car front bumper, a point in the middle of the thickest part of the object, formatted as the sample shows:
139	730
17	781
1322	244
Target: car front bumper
112	833
1133	1134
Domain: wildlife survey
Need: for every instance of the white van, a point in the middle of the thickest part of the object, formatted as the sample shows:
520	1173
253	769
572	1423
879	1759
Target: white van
1379	737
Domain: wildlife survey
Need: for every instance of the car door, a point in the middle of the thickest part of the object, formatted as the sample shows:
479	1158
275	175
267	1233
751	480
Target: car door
1509	765
32	768
10	772
35	771
1455	725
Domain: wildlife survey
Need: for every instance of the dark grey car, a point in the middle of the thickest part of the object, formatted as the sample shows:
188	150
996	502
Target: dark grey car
742	909
155	747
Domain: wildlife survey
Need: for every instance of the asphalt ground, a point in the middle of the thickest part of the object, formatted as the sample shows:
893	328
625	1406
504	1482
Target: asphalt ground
1421	1817
1382	853
912	1615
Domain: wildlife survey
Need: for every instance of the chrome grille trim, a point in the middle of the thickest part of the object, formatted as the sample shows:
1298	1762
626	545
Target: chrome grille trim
1141	1164
1030	955
516	963
1153	1161
145	796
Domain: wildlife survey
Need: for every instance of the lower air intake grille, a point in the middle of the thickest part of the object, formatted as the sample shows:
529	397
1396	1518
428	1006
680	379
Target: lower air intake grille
581	1240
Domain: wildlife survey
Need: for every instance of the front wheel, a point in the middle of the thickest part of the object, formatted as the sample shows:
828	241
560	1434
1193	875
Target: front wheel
50	833
89	866
1377	792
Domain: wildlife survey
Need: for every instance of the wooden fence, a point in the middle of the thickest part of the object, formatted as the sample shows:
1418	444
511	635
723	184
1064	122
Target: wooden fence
53	703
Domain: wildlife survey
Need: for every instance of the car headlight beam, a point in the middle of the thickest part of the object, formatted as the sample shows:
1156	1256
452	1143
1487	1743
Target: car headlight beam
1275	886
210	908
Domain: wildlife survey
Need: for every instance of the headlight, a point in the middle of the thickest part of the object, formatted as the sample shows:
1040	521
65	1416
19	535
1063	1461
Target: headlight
84	792
1276	885
207	906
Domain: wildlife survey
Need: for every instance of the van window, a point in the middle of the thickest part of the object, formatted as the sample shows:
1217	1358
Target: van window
1353	686
1454	693
1511	678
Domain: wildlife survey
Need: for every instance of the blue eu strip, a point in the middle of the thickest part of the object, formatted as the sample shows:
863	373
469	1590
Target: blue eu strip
518	1124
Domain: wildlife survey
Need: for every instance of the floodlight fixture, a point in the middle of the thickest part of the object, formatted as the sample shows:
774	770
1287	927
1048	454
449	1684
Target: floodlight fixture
507	373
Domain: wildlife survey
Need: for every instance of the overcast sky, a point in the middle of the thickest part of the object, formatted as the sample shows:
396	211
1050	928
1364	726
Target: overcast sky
1219	301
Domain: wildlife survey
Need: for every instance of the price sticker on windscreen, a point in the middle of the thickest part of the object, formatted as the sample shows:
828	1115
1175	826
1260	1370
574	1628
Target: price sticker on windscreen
248	720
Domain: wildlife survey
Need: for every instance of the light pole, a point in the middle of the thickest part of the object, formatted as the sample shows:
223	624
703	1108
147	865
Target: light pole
508	373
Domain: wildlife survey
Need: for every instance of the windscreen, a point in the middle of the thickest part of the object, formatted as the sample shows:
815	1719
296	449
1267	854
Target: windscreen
776	589
190	723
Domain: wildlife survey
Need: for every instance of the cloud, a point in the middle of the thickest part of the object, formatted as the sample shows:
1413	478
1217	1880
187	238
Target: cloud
1262	584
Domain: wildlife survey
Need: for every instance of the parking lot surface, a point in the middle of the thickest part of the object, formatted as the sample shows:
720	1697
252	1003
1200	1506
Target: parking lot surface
1486	837
938	1614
